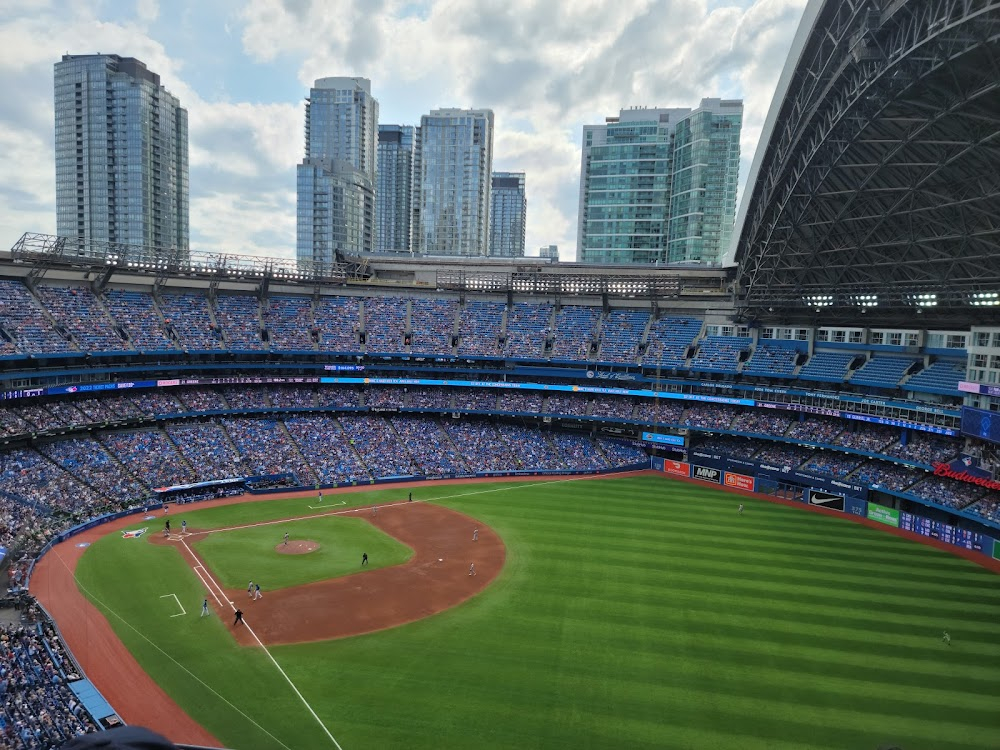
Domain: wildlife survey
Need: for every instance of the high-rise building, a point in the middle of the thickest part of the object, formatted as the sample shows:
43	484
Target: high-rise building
336	181
659	185
396	144
451	195
508	208
121	146
549	252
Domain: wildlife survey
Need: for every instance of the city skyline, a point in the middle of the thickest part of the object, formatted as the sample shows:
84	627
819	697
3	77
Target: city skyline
240	69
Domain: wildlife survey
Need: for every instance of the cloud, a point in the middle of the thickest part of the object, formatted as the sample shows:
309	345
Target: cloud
546	67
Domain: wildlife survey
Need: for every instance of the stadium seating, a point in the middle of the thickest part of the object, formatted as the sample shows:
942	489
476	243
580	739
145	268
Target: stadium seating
827	367
760	422
189	317
719	354
619	453
81	313
243	398
479	328
727	445
614	407
265	449
940	377
324	445
289	323
379	447
575	328
527	329
888	476
925	449
429	398
710	417
379	396
430	447
815	429
867	437
947	492
654	411
771	361
24	321
291	397
88	461
337	396
483	446
833	464
882	372
338	321
38	710
385	325
621	334
470	399
136	313
150	456
522	402
432	322
558	403
239	317
669	339
208	449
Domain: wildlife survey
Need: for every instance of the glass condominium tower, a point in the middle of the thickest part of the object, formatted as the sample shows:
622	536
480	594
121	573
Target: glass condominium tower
396	144
121	147
335	182
451	195
659	185
508	208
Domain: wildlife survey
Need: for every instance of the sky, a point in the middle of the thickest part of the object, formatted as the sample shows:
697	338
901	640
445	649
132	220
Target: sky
243	69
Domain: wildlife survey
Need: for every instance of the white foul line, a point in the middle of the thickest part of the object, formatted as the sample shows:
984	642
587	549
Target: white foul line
183	611
273	661
328	505
142	635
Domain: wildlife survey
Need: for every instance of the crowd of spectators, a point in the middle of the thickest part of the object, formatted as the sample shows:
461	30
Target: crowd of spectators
479	328
150	456
384	397
881	474
79	312
815	429
728	445
925	449
95	410
575	328
471	399
988	508
871	438
22	317
239	317
39	710
338	324
565	403
429	398
209	451
430	447
136	313
291	396
385	325
783	455
944	491
621	453
654	411
379	446
709	417
153	403
189	318
578	452
12	423
432	323
613	407
621	334
832	463
324	445
483	446
761	422
521	402
289	321
241	397
201	399
39	417
337	395
527	329
87	460
530	448
265	448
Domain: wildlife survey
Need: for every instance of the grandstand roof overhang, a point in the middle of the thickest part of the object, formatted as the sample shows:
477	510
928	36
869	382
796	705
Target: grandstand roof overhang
876	185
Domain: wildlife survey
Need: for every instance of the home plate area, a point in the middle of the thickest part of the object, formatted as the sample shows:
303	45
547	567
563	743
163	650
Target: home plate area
435	578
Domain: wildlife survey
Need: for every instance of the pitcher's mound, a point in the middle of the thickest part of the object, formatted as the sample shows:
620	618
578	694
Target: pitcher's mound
297	547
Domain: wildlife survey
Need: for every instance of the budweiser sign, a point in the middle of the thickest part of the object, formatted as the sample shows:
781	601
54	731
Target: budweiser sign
963	474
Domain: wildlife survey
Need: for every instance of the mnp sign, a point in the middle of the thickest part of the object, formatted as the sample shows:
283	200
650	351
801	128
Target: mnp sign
707	474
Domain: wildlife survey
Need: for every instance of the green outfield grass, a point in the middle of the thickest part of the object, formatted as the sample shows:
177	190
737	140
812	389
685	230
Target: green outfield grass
632	613
249	553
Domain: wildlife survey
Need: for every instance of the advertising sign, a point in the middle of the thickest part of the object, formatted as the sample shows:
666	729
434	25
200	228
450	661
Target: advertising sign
677	468
826	500
656	437
707	474
738	481
880	513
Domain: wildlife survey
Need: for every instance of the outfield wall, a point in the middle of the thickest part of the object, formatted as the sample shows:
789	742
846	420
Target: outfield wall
831	494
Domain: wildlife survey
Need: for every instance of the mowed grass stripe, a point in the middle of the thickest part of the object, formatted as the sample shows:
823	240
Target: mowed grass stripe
645	613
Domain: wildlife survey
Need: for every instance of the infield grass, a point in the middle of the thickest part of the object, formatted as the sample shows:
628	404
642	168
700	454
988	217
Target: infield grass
632	613
237	555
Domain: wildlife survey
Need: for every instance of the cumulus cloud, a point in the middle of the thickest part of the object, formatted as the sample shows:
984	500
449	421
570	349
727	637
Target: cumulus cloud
545	67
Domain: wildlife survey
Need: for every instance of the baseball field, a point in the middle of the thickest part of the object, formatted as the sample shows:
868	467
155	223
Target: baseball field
636	612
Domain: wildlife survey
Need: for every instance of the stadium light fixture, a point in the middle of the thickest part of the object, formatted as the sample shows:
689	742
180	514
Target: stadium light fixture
985	299
819	300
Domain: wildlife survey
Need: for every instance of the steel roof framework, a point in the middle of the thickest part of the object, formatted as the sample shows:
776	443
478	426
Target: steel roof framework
880	185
